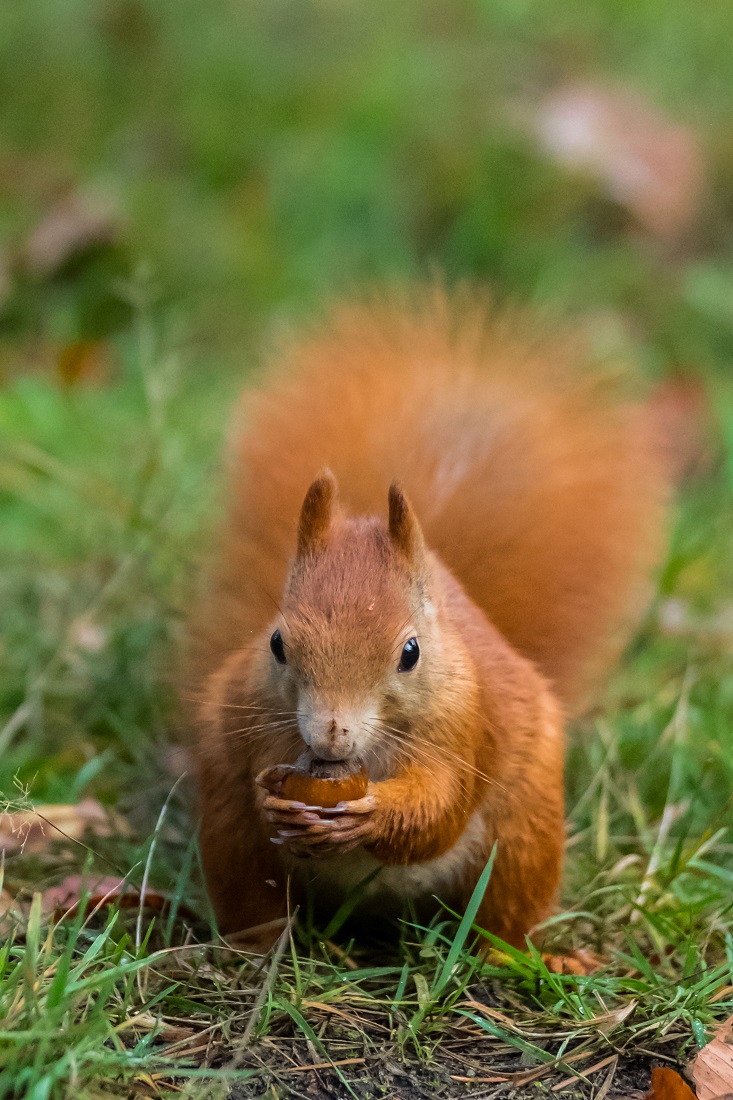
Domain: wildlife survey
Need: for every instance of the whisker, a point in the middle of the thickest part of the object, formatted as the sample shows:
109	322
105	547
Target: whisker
244	737
420	757
411	755
272	600
239	737
263	726
439	754
250	706
395	641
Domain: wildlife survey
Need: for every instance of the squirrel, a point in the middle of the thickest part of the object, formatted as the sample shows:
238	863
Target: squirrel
441	528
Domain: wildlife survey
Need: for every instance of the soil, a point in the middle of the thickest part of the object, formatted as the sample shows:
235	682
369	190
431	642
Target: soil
392	1077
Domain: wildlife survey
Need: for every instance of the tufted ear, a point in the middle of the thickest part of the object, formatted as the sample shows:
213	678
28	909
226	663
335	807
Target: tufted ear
404	528
317	513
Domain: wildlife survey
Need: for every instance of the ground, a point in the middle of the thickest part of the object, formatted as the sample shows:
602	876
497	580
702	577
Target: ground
180	186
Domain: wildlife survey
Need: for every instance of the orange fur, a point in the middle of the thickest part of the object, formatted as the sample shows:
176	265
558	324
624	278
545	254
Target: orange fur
518	558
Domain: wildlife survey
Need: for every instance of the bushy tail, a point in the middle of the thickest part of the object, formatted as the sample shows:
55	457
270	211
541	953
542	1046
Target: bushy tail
537	482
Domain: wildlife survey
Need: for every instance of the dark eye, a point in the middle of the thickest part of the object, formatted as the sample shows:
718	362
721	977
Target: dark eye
410	655
277	645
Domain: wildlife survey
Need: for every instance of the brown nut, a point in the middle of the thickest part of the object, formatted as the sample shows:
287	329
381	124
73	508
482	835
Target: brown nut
323	790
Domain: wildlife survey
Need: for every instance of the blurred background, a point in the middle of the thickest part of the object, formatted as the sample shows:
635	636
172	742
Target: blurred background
181	183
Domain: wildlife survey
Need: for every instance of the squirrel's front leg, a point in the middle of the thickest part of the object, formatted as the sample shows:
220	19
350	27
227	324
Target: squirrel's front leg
408	819
420	814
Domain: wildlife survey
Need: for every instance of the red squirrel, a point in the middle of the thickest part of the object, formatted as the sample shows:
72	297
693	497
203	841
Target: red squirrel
441	525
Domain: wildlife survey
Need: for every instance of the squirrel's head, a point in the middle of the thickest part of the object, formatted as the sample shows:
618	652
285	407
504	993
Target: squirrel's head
355	649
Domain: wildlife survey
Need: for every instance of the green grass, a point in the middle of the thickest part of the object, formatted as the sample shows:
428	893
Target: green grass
262	157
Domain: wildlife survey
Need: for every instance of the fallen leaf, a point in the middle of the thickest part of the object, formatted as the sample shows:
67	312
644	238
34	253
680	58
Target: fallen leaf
77	222
63	900
712	1069
668	1085
609	1021
646	163
183	1038
33	830
83	361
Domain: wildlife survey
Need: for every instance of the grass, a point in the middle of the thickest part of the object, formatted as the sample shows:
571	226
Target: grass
259	158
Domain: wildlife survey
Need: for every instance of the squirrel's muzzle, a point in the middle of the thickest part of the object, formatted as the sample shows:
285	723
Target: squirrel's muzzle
332	734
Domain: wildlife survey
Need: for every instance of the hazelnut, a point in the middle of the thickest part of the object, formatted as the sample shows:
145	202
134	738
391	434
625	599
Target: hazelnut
323	783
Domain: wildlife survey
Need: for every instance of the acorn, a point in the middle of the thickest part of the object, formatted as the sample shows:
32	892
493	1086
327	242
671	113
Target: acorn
324	782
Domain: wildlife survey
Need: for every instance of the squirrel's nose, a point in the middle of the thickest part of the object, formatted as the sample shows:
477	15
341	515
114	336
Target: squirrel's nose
337	743
332	741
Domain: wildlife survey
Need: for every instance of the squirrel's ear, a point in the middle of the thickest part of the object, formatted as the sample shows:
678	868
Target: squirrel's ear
317	512
404	528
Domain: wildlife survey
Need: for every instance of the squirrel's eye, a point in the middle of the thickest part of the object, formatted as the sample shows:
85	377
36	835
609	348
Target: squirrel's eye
410	654
277	645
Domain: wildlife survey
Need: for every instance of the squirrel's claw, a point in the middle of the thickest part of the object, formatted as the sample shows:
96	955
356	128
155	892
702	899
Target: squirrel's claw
306	834
363	805
281	811
271	778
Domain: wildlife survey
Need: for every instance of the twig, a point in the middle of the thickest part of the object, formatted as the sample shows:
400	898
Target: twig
325	1065
265	989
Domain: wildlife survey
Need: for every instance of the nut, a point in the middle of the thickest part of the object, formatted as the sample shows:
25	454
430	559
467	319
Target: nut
324	790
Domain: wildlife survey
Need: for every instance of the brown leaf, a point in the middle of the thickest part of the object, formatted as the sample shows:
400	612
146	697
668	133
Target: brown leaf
712	1069
83	361
63	900
649	165
76	223
33	830
668	1085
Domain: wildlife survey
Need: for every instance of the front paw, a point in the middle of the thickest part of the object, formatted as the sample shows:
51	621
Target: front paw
313	831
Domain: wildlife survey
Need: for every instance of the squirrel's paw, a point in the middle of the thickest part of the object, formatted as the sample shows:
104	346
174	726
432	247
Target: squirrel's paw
271	779
307	831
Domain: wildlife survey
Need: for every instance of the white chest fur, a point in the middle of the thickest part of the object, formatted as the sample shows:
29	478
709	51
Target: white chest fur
339	875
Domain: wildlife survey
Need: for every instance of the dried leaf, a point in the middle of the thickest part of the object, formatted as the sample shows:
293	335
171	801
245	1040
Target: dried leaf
63	900
712	1069
83	361
668	1085
33	830
647	164
609	1021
